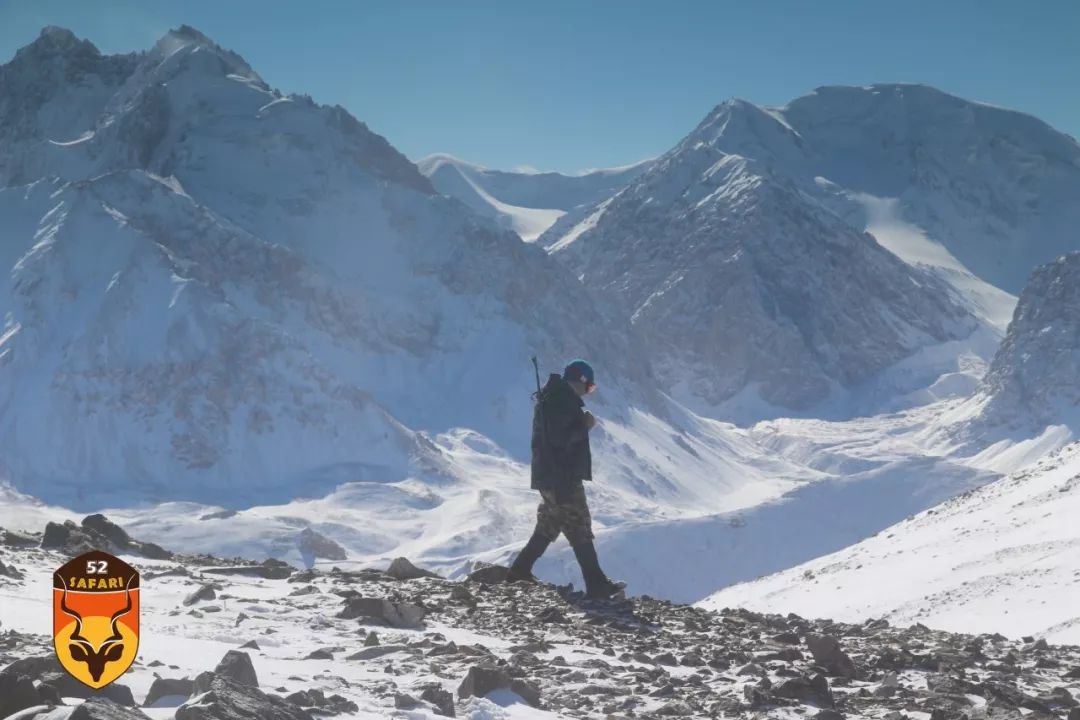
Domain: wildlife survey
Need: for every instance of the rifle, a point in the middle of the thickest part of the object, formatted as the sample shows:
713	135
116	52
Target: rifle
540	409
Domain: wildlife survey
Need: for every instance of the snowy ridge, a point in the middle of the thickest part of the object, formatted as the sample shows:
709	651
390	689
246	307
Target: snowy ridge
528	203
1002	558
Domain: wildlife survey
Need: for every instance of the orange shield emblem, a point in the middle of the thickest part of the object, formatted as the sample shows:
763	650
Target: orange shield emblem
96	617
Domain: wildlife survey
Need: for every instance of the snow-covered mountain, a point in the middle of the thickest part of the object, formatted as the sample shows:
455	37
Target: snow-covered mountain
528	203
1036	372
737	282
1003	558
212	290
739	255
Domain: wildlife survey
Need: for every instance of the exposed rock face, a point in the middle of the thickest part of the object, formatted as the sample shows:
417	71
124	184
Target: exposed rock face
168	687
1035	376
226	699
380	610
100	533
236	665
103	709
402	569
265	238
736	279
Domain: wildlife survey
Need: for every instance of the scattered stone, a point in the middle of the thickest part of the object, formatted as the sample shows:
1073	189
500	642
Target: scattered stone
67	686
168	688
812	691
483	679
402	569
398	615
250	645
237	666
488	575
829	655
17	692
376	651
226	699
204	592
99	708
443	700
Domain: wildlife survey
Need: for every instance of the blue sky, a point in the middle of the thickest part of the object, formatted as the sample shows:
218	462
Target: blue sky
561	85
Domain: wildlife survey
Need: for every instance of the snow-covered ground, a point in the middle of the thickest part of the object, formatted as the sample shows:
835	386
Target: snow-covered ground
1002	558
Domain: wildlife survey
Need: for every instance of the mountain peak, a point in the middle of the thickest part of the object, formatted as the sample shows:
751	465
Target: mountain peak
186	36
55	40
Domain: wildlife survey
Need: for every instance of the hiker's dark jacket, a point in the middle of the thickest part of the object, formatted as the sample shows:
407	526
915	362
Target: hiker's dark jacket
560	438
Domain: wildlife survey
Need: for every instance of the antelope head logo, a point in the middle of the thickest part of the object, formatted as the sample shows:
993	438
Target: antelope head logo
109	650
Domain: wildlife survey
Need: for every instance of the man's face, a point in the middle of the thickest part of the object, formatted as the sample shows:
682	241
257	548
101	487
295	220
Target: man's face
582	387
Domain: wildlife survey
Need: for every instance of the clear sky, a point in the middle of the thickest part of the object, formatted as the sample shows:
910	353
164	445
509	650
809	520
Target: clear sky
571	84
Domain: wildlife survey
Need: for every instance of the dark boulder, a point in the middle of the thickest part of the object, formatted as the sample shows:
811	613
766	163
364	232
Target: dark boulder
17	692
402	569
168	688
105	709
223	698
829	655
237	666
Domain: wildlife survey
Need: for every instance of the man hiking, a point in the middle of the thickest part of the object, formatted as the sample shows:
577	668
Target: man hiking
561	462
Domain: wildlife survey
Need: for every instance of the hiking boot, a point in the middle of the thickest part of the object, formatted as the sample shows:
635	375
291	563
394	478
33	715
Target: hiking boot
597	584
604	588
521	576
521	570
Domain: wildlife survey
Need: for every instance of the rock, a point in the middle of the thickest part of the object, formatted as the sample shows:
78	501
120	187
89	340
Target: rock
100	525
225	699
313	545
10	571
398	615
402	569
372	639
17	692
13	539
250	645
1074	714
270	569
443	700
459	594
320	654
105	709
67	686
204	592
35	666
403	701
829	655
813	691
237	666
828	714
665	659
527	691
376	651
483	679
488	575
168	688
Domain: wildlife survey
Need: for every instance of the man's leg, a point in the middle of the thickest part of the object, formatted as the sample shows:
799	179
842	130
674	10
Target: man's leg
548	525
578	528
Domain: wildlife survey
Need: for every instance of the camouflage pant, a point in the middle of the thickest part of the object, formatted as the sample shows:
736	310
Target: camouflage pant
568	515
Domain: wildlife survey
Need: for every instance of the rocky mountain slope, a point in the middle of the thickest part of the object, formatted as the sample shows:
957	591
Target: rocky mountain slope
1002	558
739	283
402	643
972	195
241	294
527	203
1035	376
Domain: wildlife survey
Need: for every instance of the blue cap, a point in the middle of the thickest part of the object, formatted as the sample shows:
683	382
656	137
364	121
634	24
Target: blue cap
581	371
